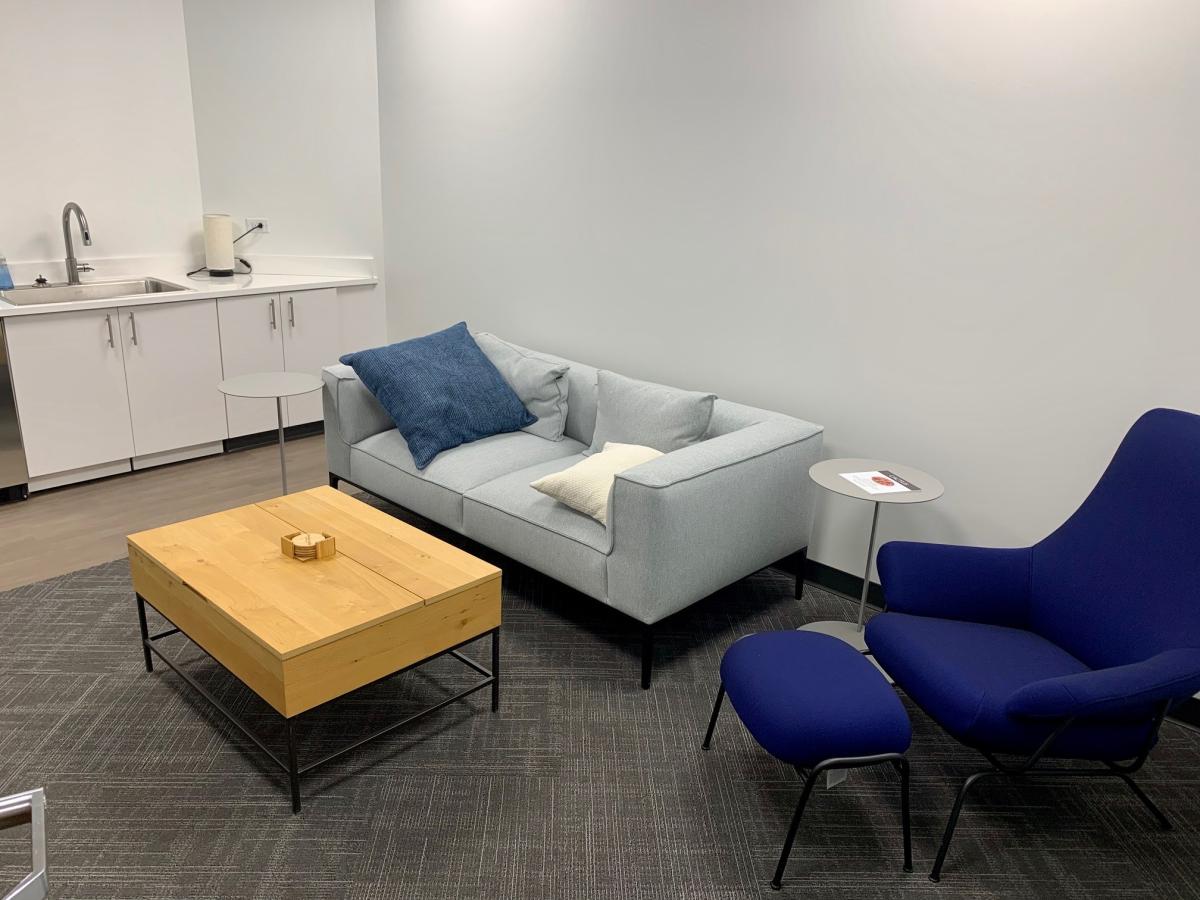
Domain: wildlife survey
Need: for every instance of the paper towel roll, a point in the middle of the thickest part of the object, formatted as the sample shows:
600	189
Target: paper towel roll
218	245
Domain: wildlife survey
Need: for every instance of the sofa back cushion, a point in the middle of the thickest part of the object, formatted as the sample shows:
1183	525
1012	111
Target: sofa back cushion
1116	583
581	394
630	411
440	390
541	383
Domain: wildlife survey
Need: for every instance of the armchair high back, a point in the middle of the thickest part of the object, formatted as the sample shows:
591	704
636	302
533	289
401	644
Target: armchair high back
1117	582
1075	647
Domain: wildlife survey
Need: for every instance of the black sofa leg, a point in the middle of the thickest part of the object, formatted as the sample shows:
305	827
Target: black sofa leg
795	564
647	655
333	480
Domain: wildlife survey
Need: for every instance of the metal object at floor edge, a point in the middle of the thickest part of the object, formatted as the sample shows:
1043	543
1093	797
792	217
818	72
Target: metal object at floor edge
29	808
14	473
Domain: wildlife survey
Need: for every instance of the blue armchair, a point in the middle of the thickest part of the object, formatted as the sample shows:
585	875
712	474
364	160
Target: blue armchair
1074	648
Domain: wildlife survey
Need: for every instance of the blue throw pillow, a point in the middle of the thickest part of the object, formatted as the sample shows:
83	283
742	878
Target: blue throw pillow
440	390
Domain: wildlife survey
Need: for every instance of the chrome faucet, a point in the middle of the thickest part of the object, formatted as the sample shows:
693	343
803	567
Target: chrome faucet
73	265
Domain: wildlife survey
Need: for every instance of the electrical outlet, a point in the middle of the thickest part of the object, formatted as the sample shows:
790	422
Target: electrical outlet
265	225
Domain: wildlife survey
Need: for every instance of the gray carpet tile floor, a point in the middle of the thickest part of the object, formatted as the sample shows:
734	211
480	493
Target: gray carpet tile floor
582	786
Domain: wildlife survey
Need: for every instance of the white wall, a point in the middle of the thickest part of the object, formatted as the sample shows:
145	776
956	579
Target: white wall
961	234
287	121
96	108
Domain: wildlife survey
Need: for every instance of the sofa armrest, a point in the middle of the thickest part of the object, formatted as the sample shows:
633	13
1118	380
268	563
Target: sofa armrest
972	584
351	414
1120	690
692	521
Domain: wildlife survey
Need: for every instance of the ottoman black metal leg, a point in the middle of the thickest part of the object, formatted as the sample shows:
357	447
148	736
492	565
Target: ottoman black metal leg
777	881
849	762
712	722
902	767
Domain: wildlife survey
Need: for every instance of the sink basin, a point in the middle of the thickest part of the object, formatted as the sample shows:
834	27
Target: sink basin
95	290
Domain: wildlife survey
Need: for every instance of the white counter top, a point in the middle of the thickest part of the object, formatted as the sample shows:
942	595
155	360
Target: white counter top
236	286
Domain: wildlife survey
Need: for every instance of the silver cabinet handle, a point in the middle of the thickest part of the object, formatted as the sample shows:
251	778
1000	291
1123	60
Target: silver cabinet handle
133	329
108	322
291	312
271	306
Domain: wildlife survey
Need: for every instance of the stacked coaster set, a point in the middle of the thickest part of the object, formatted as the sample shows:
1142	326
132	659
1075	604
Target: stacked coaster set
306	545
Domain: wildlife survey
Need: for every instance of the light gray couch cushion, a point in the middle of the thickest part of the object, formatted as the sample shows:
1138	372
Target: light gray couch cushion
467	465
581	402
629	411
405	489
383	465
511	517
541	384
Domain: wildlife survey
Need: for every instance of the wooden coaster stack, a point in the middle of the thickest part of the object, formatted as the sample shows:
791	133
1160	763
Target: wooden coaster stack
306	545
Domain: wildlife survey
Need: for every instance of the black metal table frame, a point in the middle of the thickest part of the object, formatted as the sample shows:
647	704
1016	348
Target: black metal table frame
291	766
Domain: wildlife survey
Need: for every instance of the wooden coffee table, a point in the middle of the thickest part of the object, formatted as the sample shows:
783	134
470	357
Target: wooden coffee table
300	634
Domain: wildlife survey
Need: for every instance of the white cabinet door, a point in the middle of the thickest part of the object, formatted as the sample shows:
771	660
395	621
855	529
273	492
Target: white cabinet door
311	338
172	367
251	341
69	381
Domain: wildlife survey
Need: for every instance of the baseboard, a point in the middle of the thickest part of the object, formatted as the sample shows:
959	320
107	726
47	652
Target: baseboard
74	476
1188	713
183	454
265	438
841	582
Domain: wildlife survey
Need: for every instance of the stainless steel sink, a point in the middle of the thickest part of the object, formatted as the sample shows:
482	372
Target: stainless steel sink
95	290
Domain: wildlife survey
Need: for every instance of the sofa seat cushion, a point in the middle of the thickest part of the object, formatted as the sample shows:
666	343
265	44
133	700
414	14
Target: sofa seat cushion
963	674
511	517
463	467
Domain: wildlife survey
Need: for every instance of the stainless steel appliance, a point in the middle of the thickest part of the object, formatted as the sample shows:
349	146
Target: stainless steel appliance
14	475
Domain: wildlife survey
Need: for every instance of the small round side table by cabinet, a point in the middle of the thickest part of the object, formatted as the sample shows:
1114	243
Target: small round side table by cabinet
828	474
268	385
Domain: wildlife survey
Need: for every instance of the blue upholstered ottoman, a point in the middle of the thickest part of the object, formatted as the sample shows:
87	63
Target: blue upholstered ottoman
818	704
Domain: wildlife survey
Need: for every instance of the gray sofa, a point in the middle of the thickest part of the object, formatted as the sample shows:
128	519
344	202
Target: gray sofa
679	527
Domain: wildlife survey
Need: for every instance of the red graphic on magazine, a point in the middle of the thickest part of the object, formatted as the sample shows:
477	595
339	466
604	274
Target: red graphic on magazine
886	482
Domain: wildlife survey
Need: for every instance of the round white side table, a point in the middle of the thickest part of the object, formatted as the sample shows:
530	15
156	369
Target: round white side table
828	474
267	385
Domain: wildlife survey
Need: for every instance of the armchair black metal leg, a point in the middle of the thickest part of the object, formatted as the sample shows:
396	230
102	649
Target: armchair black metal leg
333	480
936	873
1163	822
809	781
712	722
902	767
647	655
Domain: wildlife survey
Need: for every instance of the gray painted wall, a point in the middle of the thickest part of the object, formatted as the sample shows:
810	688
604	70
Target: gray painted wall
959	233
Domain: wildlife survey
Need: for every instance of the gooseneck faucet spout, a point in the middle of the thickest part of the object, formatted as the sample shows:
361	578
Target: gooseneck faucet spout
72	263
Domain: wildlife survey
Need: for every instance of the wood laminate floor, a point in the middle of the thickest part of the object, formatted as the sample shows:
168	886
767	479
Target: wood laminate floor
69	528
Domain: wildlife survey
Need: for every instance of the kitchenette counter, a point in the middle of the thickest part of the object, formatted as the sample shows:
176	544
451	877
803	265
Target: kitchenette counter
196	289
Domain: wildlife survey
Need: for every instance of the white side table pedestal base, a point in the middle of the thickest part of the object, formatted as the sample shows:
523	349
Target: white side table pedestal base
843	631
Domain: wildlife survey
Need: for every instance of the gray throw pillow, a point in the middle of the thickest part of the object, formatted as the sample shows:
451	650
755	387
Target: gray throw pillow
629	411
540	383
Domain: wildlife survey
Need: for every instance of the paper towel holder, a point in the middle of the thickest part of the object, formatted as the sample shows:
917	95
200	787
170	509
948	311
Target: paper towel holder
225	267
